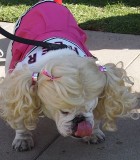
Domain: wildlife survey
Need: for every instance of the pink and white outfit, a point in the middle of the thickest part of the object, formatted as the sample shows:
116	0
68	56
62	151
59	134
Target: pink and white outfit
46	21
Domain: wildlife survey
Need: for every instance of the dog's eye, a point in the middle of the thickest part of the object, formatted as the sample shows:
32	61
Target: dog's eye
64	112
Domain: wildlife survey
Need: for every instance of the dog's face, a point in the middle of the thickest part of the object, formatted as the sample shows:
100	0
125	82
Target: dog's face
75	121
71	98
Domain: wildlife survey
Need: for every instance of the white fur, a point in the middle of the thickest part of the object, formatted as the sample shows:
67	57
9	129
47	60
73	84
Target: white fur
97	136
64	122
23	140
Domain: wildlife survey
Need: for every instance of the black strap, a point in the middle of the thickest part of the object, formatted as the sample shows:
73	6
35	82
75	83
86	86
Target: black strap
49	46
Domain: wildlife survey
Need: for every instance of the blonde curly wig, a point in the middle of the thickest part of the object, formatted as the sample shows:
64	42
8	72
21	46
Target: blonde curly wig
77	79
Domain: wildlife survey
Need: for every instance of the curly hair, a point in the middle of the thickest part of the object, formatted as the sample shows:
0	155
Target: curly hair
78	79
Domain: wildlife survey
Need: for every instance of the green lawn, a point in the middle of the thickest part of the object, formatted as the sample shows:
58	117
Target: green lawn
118	16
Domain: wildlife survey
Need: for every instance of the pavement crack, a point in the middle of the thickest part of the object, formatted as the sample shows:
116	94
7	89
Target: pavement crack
46	147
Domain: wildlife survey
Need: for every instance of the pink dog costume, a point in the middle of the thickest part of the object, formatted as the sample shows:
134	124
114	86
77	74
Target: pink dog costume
47	21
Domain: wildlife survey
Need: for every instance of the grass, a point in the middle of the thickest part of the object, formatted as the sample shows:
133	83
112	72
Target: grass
117	16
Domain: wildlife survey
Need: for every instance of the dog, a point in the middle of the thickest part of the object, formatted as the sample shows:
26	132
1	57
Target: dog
67	85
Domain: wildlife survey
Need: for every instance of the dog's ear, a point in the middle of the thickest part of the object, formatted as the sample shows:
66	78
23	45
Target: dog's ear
117	99
19	100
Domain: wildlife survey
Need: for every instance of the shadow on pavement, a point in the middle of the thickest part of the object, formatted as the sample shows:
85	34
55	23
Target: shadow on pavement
102	3
17	2
128	24
97	3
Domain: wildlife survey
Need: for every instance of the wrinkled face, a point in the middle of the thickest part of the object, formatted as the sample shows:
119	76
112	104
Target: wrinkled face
76	121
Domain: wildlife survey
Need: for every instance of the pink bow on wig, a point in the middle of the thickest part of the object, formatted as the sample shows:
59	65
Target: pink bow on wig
48	75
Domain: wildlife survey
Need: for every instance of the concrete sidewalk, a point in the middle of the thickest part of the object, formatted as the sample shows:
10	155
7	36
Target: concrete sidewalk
49	145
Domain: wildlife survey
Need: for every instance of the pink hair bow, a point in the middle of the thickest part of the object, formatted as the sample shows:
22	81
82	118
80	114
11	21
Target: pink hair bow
48	75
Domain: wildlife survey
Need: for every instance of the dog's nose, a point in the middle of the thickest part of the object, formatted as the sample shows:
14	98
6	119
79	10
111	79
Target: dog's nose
78	119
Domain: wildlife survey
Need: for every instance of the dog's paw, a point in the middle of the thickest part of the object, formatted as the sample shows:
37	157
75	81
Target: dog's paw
97	137
23	141
23	144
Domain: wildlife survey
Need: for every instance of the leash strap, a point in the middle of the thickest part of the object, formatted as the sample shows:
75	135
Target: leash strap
49	46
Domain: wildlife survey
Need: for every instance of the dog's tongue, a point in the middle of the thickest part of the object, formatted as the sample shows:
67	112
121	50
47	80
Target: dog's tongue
84	129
